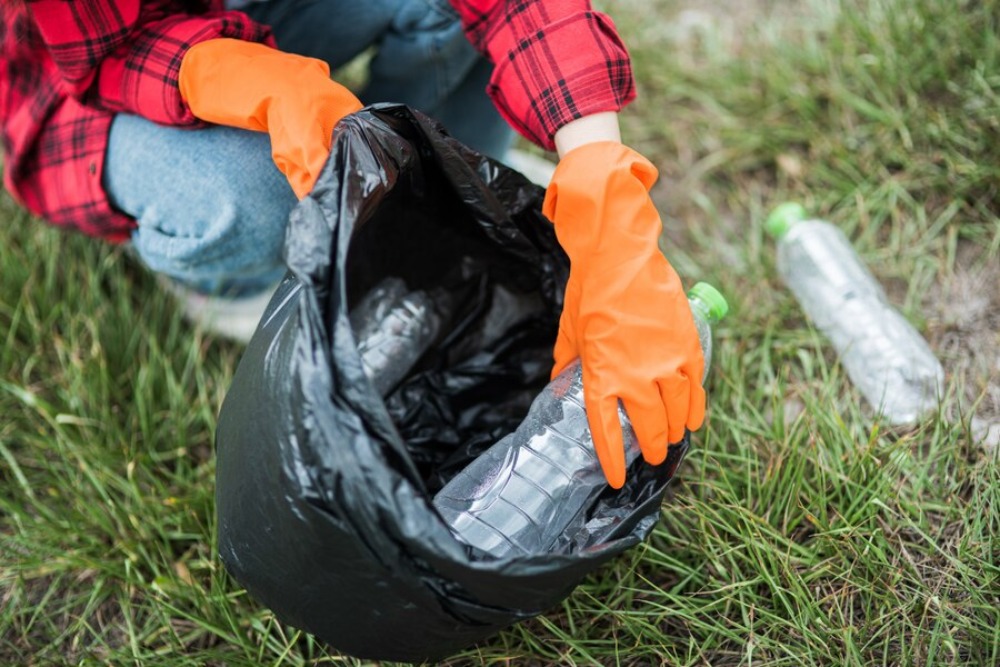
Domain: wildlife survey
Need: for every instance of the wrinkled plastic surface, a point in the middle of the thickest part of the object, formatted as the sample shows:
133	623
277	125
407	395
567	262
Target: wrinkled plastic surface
530	492
393	328
885	357
324	488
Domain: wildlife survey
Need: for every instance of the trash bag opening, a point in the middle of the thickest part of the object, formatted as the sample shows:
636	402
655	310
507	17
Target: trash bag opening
492	353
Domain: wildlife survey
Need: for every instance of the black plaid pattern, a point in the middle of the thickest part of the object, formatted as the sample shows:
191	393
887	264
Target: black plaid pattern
66	66
556	61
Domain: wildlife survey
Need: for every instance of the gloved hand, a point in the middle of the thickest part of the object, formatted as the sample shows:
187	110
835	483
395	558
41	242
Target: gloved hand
254	87
625	314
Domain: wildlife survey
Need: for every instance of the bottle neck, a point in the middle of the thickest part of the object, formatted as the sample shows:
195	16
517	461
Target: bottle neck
703	311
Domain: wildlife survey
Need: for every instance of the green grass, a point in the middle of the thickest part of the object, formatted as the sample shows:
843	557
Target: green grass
800	532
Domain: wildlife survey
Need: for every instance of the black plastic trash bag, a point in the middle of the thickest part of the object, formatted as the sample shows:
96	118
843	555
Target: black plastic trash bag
323	488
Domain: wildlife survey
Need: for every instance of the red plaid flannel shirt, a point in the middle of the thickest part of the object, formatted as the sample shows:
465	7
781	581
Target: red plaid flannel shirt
67	66
554	61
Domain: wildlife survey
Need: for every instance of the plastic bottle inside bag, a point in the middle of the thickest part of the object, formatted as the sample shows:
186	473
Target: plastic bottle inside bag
393	327
886	359
521	495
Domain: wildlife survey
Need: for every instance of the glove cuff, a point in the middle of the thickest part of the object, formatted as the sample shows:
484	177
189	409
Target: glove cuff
599	202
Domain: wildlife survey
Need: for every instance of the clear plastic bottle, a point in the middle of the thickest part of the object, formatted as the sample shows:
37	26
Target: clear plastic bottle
393	328
885	357
523	494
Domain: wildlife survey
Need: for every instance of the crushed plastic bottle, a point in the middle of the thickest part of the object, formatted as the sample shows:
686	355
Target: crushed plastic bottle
523	494
393	328
885	357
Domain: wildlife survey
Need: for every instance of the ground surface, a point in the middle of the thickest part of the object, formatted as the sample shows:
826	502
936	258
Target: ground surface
960	306
801	530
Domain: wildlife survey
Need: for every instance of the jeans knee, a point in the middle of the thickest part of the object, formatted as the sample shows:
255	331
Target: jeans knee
235	237
247	229
210	204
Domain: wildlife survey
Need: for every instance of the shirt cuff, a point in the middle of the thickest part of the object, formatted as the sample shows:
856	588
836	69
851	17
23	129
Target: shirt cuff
572	67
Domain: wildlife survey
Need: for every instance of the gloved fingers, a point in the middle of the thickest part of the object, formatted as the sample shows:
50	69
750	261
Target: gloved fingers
649	421
301	140
300	162
676	392
606	430
696	411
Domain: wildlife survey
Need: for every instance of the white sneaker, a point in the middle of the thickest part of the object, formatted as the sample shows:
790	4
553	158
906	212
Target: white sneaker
537	169
235	319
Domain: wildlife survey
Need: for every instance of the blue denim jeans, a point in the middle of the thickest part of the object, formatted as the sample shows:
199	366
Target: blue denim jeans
210	204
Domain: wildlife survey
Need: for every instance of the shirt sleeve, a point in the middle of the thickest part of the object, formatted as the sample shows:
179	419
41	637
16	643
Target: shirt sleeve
125	55
554	61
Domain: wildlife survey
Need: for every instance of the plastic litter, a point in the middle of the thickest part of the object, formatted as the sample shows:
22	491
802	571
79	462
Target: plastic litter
529	492
885	357
394	327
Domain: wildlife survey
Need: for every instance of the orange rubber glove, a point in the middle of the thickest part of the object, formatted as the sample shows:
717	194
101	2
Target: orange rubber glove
625	314
254	87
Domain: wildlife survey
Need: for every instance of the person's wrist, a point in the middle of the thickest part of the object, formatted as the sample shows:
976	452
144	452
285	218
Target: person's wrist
588	129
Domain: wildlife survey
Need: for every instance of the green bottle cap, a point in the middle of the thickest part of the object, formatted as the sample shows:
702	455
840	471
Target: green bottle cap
715	304
783	217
